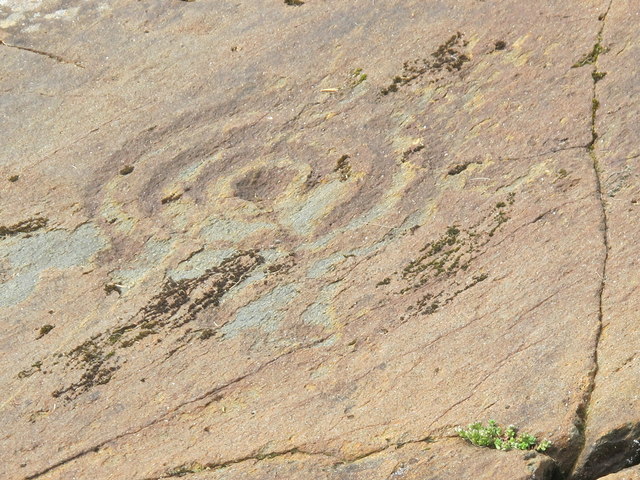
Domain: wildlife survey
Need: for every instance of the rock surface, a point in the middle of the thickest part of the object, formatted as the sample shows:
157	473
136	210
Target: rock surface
277	240
626	474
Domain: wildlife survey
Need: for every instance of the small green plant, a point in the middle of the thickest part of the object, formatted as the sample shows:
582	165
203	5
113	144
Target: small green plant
494	436
357	77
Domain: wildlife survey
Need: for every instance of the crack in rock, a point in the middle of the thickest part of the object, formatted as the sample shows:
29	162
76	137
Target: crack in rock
52	56
616	450
171	413
196	467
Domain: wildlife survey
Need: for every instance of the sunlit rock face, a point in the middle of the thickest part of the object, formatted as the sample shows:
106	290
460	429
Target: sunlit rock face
269	239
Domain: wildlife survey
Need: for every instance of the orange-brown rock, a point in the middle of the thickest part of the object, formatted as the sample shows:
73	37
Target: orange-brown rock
632	473
270	239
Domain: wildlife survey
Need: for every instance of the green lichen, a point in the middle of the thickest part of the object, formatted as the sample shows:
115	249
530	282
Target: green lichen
357	77
591	57
444	266
44	330
595	105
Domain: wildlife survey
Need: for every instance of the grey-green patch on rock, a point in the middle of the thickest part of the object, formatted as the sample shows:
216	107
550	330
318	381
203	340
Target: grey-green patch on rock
28	257
263	313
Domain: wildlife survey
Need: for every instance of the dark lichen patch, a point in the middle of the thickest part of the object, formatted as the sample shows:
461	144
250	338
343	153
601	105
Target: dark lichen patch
45	329
96	374
276	268
294	3
14	178
313	179
456	169
431	303
177	303
126	170
475	279
95	363
199	293
447	57
116	334
500	217
113	287
185	469
133	340
35	367
171	198
384	281
499	45
444	264
391	88
343	167
197	467
207	333
38	414
595	105
597	76
407	153
438	257
25	226
449	238
428	304
282	267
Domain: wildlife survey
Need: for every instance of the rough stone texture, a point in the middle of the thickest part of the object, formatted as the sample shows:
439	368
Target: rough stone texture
443	459
626	474
613	427
226	253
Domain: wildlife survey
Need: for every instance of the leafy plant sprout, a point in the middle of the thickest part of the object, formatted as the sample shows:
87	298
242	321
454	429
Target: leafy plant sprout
494	436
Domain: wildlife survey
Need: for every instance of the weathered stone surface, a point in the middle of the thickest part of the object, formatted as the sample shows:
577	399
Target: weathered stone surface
626	474
263	240
613	427
417	461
